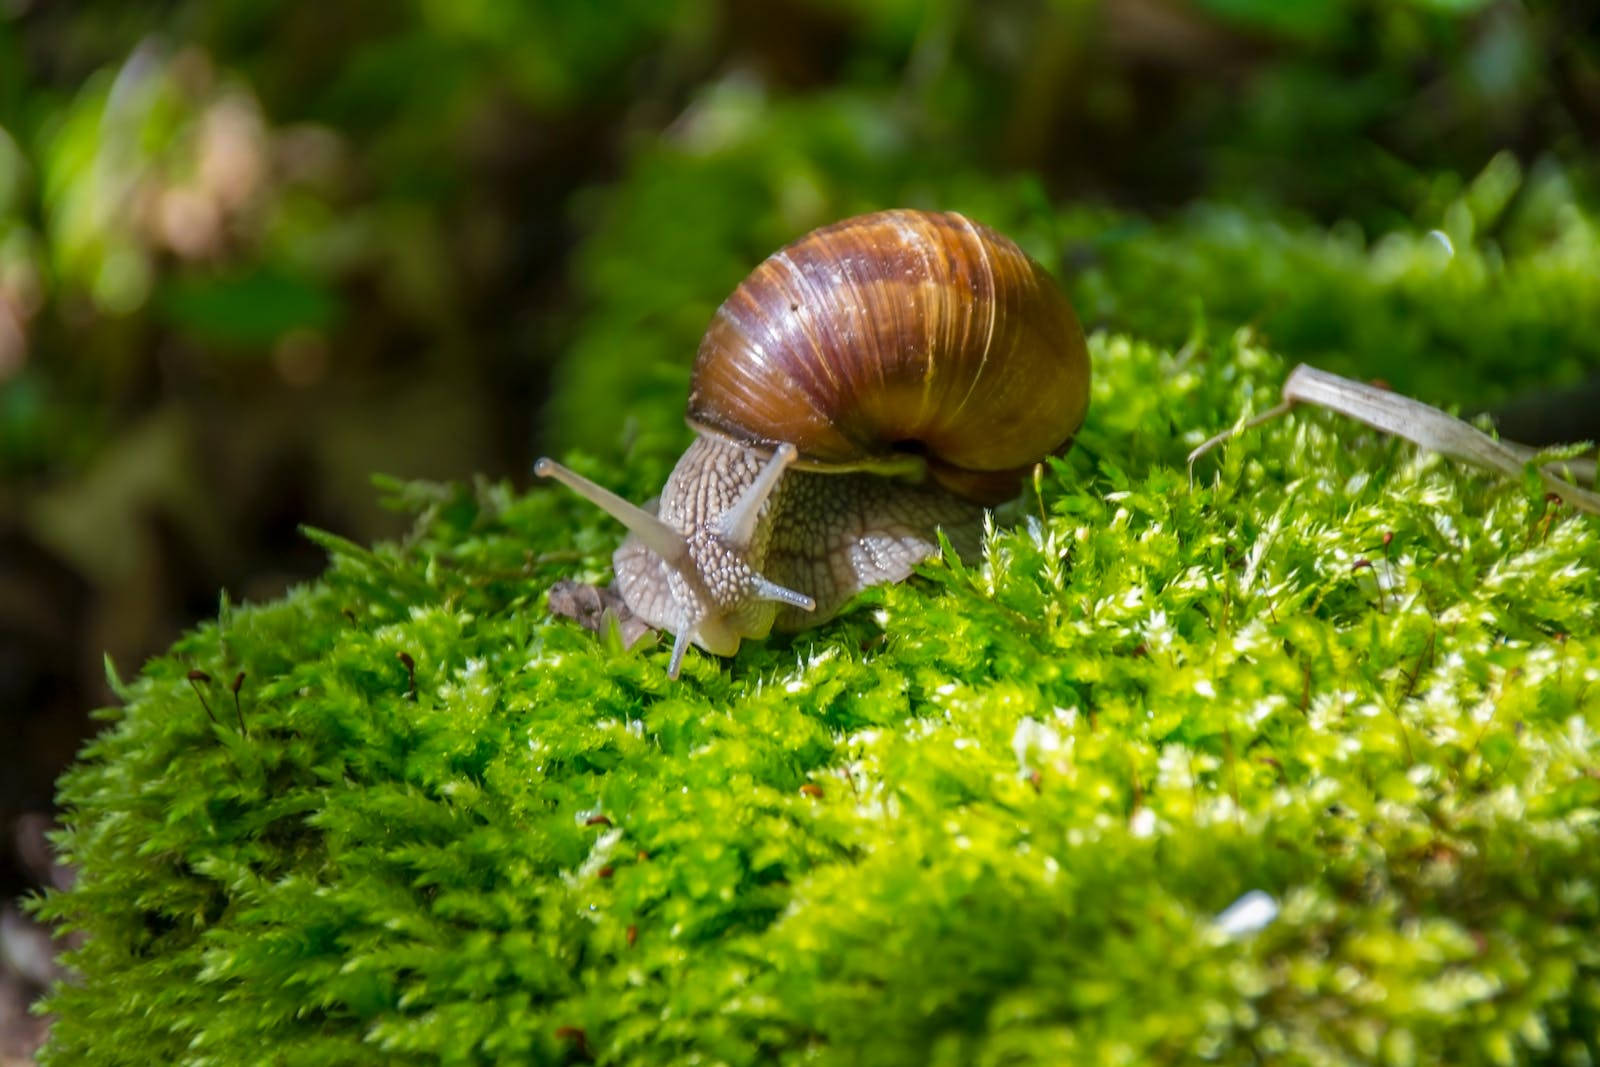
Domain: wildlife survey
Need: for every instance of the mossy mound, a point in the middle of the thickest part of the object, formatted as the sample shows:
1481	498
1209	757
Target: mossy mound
993	815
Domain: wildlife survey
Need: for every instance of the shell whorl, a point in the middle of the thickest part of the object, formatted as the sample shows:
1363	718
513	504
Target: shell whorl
899	331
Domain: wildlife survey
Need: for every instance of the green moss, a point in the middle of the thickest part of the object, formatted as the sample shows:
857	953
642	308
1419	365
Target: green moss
989	816
1492	292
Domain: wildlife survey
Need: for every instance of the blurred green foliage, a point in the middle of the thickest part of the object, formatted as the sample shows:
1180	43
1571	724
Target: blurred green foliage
394	184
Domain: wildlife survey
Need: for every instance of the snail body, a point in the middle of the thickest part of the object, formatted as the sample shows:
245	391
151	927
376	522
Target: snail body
875	381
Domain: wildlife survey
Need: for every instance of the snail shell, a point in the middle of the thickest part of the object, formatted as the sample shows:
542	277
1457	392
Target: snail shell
875	381
896	333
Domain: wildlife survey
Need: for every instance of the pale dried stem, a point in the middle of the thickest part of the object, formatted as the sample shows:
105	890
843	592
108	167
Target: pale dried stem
1422	425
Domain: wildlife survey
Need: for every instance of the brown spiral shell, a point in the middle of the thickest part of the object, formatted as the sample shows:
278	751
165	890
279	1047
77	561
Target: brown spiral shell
900	331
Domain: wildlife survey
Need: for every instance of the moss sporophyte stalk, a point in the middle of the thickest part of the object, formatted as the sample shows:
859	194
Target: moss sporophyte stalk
1298	762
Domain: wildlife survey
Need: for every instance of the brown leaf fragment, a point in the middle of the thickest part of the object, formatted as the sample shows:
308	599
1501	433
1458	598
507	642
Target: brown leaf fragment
597	608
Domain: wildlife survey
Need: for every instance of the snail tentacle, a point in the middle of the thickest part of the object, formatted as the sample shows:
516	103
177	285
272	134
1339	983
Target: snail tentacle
661	539
680	645
738	524
765	589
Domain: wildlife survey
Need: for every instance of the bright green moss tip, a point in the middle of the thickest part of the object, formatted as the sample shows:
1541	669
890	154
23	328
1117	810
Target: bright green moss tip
990	816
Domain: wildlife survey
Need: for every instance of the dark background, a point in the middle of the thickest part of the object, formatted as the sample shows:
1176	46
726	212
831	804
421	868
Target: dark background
253	252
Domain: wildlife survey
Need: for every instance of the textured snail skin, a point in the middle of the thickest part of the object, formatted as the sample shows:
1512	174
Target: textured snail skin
827	535
893	332
874	382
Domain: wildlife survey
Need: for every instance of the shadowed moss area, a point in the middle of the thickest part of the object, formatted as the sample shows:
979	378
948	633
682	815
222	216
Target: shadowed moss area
991	815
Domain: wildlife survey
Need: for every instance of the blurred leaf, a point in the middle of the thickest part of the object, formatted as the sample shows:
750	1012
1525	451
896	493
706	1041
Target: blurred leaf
249	310
1298	18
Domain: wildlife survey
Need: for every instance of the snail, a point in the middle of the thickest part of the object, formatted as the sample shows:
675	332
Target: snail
878	379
